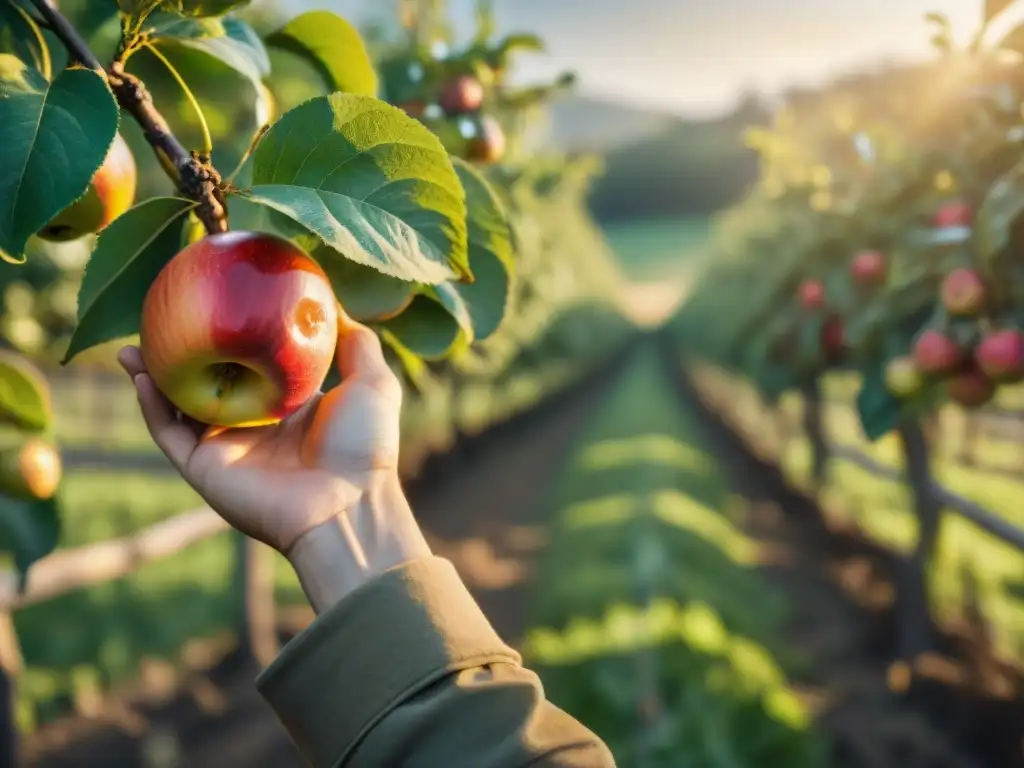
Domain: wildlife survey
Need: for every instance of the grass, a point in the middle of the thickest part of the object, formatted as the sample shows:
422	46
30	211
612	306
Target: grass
98	636
652	624
660	249
966	554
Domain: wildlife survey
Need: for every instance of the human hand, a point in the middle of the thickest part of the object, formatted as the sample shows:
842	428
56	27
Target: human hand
321	487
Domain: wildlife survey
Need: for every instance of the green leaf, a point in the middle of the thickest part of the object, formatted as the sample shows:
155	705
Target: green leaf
29	531
231	41
54	137
491	253
879	411
372	183
1013	40
20	35
129	255
332	45
205	7
24	393
999	212
415	368
367	295
521	41
427	328
993	8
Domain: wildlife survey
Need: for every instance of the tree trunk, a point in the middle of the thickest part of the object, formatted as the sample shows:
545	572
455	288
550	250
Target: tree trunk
815	431
8	727
11	665
259	622
969	441
913	600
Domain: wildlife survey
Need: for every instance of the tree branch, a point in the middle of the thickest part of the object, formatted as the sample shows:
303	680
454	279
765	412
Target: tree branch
193	175
70	569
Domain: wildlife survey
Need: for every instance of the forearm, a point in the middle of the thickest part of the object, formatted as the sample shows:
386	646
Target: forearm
358	545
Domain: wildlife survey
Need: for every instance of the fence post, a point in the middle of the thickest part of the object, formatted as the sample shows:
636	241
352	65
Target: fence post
814	428
912	600
255	563
11	664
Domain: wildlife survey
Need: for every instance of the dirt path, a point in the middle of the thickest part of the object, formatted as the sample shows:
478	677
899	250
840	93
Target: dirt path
841	590
485	515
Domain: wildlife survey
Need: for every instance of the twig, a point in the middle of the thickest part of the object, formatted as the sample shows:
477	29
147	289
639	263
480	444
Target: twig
193	174
70	569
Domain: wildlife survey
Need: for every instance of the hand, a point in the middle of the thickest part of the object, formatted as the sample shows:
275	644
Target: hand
321	487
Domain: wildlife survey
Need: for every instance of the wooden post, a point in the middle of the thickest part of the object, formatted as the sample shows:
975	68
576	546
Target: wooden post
11	665
259	619
815	430
913	599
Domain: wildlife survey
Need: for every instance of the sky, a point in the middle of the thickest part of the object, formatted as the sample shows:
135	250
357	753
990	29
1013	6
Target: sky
693	56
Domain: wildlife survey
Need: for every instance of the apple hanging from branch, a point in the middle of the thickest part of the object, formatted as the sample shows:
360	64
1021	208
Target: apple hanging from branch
239	329
111	193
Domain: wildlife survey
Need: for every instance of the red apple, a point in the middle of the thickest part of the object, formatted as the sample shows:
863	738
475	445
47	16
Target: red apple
812	295
955	214
111	193
833	338
461	94
936	354
488	145
963	292
1001	355
970	388
239	329
869	268
902	378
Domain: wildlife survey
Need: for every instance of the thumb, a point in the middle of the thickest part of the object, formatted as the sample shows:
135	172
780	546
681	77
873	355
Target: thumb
360	356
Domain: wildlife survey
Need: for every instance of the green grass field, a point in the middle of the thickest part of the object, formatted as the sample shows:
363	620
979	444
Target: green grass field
649	604
658	249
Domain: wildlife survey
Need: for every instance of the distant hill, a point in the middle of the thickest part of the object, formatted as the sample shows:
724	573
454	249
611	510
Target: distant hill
587	124
685	167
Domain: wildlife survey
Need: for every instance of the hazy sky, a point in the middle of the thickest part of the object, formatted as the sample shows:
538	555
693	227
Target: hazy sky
690	55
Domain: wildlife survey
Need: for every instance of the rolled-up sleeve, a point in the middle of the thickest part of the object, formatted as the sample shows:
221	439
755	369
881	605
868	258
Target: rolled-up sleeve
407	671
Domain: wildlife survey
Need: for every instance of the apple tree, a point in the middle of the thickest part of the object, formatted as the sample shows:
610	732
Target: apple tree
414	238
882	241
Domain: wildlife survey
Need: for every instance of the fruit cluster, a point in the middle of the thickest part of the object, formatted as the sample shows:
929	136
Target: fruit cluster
966	351
454	111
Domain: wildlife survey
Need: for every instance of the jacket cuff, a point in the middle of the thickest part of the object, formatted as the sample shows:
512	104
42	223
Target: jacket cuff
391	637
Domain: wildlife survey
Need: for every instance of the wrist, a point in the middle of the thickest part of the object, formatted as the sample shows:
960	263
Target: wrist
338	556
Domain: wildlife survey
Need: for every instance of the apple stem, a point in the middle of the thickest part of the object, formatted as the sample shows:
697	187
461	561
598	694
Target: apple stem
193	175
200	117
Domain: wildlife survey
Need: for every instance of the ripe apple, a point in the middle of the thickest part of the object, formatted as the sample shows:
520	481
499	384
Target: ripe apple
111	193
970	388
833	338
461	94
935	353
239	329
902	378
869	268
488	145
30	469
1001	355
954	214
812	295
963	292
